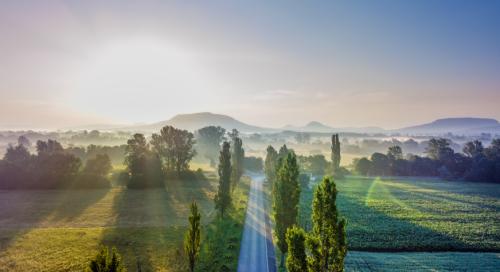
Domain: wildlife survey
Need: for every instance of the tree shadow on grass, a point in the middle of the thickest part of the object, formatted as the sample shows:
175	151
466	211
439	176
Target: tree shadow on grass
23	210
133	226
74	203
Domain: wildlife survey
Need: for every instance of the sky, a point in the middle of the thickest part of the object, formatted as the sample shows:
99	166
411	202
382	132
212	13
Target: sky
270	63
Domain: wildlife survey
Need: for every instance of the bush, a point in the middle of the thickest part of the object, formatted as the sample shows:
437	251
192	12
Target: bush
106	261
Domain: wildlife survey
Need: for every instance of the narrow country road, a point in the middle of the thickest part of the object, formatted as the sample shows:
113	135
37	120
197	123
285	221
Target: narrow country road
257	250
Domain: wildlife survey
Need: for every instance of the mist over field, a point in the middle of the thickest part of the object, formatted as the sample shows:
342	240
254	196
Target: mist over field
249	136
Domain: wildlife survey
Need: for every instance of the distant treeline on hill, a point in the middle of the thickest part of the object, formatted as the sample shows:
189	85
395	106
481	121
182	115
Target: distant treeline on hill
476	163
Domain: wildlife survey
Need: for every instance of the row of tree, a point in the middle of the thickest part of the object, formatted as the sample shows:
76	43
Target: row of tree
476	163
325	248
51	167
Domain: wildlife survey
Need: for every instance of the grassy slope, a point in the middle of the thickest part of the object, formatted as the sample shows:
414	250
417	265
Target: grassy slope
411	215
60	230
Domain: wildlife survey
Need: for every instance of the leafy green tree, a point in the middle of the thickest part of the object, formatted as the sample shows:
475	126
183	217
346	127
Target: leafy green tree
270	164
286	194
283	152
193	236
143	165
329	228
100	165
296	260
223	197
473	149
95	172
362	166
106	261
18	155
380	164
209	140
237	158
53	167
439	149
395	153
335	154
175	147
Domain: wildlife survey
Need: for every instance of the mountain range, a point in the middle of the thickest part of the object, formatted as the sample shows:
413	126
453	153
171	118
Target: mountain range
194	121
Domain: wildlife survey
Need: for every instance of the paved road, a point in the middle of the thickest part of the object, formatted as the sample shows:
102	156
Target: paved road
257	250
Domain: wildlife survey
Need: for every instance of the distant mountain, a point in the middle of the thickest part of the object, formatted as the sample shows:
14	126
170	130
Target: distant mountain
195	121
466	125
310	127
315	126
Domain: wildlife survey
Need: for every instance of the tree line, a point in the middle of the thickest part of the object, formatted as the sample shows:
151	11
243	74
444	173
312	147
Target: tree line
325	247
475	163
51	167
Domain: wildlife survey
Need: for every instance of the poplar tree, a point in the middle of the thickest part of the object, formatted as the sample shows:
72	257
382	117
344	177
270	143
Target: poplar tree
223	197
328	228
193	236
325	247
296	260
237	161
335	155
286	193
270	164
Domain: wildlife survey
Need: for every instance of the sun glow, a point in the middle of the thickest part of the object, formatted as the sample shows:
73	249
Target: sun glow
121	72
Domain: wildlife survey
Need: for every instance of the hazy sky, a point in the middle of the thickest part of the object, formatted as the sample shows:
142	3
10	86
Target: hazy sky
269	63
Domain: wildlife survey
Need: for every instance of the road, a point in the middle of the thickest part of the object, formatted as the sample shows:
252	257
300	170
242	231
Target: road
257	250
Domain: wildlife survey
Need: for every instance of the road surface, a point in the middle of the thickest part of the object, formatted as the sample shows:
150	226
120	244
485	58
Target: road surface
257	250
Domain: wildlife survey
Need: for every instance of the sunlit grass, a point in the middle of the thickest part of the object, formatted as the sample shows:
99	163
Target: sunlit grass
56	230
416	215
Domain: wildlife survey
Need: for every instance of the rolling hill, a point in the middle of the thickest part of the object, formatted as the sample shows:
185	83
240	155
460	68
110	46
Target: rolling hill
467	125
196	121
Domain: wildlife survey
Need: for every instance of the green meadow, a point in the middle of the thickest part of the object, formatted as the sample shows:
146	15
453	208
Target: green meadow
60	230
416	215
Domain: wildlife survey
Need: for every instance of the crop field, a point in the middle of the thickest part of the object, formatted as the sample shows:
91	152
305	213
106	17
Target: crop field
60	230
421	261
416	215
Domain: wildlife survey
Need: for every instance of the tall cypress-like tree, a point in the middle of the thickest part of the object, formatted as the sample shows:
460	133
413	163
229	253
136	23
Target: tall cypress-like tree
296	260
335	155
223	197
193	236
270	164
329	228
237	161
326	245
286	193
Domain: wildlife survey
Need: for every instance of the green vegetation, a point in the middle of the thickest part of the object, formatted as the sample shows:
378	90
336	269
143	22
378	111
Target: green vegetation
192	238
221	244
335	155
209	140
415	215
421	261
286	195
270	164
237	157
174	147
223	197
106	261
324	248
62	230
296	261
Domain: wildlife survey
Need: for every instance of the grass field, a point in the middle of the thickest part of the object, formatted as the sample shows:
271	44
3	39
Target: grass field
416	215
55	230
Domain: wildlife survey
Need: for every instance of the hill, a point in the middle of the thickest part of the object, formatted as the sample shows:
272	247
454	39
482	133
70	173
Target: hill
467	125
196	121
